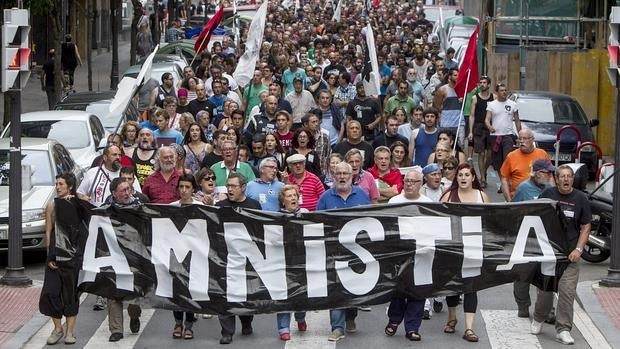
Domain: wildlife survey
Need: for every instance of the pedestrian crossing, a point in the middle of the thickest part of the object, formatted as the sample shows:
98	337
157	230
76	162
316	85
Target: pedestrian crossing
497	329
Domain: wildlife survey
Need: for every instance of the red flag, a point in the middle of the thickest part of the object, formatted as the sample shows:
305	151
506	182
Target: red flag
468	72
203	38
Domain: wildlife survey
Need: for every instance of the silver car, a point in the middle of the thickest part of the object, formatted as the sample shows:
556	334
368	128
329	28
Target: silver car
44	159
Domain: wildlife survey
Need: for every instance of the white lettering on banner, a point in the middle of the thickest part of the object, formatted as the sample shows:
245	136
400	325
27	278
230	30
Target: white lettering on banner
472	246
92	265
271	269
192	239
359	283
425	230
316	261
547	260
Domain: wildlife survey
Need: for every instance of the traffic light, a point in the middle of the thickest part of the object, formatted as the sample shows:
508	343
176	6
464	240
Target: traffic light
614	46
15	50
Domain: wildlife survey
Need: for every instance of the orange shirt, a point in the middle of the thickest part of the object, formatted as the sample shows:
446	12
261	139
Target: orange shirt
517	166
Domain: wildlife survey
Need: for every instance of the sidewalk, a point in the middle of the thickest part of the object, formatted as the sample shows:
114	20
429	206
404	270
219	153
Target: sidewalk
602	304
18	307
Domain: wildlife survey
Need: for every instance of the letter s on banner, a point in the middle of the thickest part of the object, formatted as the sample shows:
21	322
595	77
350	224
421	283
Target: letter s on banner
92	265
193	238
364	282
271	269
547	265
425	230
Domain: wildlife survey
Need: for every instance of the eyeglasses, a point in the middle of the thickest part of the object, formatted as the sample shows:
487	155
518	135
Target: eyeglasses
448	168
412	181
209	178
228	185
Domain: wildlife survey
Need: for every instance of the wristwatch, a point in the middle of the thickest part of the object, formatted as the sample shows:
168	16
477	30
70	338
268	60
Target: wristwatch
579	249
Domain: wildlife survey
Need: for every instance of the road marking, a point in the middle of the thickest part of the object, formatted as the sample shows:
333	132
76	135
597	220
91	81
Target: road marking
39	340
101	336
506	330
316	335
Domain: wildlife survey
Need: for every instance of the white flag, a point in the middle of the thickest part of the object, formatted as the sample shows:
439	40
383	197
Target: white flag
338	12
247	63
370	73
287	3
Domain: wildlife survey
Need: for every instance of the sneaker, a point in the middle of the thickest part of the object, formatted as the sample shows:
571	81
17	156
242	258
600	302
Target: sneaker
134	325
564	337
350	326
523	312
54	337
285	336
302	326
364	308
100	303
426	315
70	340
437	306
536	327
336	335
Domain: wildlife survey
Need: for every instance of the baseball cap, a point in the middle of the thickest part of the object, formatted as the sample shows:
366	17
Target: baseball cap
298	78
295	158
430	168
543	164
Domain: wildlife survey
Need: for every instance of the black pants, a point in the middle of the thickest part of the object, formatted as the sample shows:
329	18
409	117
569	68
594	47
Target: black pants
228	323
470	302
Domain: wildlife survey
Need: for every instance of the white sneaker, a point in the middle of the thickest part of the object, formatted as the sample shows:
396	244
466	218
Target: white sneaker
536	327
564	337
336	335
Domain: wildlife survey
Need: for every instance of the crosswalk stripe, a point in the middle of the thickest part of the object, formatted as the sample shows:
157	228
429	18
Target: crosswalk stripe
101	336
39	340
506	330
316	335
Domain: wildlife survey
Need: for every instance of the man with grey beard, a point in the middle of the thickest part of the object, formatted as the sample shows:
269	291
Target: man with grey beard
342	194
160	186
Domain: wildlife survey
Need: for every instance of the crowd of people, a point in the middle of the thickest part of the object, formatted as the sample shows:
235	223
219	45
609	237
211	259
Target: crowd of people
303	135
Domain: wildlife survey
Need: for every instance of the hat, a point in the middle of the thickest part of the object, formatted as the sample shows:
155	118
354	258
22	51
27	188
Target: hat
182	92
543	164
295	158
298	78
430	168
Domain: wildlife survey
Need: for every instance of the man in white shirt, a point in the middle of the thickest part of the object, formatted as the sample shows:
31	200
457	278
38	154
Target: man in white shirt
411	188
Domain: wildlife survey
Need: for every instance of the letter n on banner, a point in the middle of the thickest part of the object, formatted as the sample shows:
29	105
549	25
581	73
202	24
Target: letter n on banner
271	269
192	239
117	260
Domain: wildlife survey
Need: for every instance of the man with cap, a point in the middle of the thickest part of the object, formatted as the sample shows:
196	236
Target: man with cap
310	186
265	189
541	178
433	187
301	101
292	72
183	105
517	166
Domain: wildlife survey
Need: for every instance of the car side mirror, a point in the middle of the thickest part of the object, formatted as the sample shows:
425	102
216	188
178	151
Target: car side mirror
594	122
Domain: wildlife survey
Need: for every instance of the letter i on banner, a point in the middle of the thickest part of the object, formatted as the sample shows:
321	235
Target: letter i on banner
472	246
316	268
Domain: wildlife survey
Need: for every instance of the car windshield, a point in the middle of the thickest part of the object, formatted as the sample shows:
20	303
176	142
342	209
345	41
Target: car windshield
550	111
39	165
73	134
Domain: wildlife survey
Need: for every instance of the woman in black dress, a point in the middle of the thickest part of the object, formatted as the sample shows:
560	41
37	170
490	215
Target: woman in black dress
69	59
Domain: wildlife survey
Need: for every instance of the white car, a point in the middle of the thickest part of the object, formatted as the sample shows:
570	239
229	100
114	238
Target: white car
80	132
44	159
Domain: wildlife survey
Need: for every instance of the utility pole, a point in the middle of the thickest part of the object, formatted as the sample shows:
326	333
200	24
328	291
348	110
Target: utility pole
115	7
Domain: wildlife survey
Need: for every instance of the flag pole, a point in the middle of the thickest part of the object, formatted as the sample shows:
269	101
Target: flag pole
458	128
203	41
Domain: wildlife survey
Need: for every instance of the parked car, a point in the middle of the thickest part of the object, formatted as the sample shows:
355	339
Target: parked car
80	132
98	103
545	113
168	58
43	159
157	70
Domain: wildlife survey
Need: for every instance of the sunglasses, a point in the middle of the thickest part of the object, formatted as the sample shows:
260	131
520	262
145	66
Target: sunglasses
448	168
209	178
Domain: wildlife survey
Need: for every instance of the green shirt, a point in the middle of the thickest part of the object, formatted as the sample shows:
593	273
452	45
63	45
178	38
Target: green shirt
394	102
250	96
221	172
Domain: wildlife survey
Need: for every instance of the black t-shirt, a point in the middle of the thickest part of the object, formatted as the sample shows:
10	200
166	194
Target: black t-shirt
367	150
211	159
48	68
576	209
365	112
195	106
247	203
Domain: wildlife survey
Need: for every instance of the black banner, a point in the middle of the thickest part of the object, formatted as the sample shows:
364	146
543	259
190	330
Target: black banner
220	260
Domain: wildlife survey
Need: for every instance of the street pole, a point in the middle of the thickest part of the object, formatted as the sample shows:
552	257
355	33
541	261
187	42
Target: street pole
115	24
15	274
613	273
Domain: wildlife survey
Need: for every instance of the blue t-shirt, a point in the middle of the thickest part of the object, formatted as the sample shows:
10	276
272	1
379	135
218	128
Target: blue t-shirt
528	190
330	199
266	193
168	137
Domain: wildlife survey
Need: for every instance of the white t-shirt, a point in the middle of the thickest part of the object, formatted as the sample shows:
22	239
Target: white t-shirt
400	198
502	114
433	194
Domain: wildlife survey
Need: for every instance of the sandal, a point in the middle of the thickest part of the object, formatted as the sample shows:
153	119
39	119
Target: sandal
483	184
413	336
470	336
189	334
450	326
177	333
390	329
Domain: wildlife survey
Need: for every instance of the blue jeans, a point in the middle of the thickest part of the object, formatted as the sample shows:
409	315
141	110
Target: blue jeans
406	308
284	321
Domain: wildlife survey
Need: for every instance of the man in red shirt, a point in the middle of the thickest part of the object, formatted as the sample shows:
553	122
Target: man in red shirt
161	186
310	186
389	180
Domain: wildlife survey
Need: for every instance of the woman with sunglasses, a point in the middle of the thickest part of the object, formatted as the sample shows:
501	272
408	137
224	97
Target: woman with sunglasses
449	137
465	189
206	192
449	171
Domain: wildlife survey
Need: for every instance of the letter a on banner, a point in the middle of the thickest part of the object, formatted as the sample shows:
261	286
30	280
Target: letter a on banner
547	265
